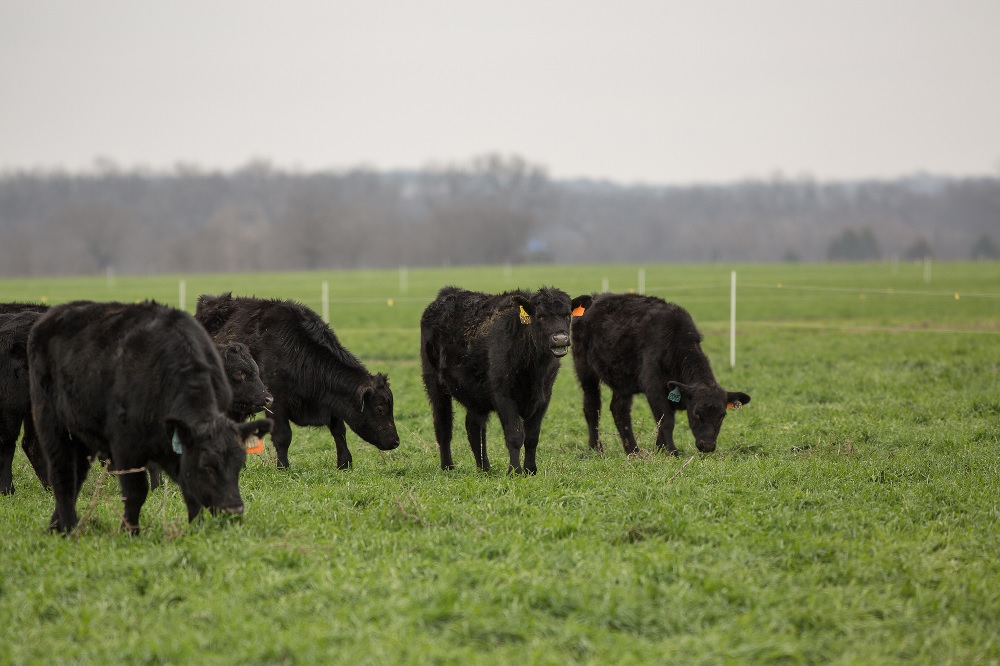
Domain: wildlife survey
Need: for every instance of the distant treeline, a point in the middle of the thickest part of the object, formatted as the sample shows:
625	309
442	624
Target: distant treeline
491	209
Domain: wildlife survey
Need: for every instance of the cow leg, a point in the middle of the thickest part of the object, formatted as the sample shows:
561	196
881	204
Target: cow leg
443	413
8	445
513	432
339	432
475	428
591	386
32	449
532	431
134	487
621	410
281	434
663	414
68	467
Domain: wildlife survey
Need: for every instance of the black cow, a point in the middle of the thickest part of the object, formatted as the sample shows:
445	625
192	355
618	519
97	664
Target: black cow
249	393
133	384
15	401
642	344
313	378
493	353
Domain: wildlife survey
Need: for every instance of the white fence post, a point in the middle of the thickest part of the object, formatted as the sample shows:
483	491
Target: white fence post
325	297
732	321
182	294
642	281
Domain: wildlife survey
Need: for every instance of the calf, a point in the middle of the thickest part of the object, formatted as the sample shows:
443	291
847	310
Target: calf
313	378
15	401
133	384
493	353
249	393
642	344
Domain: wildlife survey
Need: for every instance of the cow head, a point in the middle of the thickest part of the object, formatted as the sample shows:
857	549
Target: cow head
546	313
249	393
212	456
373	421
706	406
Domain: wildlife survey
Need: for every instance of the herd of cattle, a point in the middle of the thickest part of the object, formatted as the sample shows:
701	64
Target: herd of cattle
147	388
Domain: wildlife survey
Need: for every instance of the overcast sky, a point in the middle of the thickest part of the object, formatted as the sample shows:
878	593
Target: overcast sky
632	91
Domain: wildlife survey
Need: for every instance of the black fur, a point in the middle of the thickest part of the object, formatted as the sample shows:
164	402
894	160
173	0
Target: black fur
642	344
474	348
313	378
15	400
121	382
249	393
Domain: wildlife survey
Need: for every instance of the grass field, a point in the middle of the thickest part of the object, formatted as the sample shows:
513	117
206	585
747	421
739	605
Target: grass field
850	514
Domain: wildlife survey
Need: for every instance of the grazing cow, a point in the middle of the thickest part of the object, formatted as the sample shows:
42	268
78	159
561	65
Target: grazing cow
642	344
250	395
15	401
314	380
133	384
493	353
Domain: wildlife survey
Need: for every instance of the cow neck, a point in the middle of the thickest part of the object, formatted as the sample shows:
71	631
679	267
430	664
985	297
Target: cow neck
695	368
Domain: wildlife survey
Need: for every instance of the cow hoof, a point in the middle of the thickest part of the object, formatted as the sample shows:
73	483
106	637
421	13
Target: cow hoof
344	465
447	466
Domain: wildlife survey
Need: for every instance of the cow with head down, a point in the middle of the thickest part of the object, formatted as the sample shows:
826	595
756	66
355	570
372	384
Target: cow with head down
493	353
315	381
134	384
642	344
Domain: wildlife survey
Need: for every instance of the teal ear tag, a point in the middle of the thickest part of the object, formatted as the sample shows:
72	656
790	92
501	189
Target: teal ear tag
675	395
176	443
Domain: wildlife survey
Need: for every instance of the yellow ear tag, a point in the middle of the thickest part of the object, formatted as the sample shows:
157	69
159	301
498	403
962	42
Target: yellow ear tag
525	317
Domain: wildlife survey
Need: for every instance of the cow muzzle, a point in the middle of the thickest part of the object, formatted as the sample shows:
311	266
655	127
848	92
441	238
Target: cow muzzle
559	344
705	446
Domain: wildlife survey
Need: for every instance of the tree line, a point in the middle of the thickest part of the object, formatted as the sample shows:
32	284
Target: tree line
491	209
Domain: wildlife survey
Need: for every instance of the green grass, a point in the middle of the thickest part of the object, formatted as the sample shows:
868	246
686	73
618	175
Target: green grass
849	515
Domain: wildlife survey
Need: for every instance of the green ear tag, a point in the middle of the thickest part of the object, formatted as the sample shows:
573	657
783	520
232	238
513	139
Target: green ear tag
675	395
176	443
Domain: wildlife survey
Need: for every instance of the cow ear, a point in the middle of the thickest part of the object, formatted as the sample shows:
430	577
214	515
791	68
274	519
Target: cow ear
365	393
259	427
526	309
522	302
677	391
180	434
736	399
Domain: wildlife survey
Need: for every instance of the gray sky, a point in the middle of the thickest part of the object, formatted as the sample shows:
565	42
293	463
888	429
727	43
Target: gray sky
632	91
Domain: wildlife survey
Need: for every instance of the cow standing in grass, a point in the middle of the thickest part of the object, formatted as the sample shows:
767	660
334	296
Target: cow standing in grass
493	353
315	381
133	384
15	401
642	344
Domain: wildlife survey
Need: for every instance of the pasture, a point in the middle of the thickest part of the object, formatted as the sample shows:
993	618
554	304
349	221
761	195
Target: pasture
849	515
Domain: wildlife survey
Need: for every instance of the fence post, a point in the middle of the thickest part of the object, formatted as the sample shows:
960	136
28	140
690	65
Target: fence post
182	294
325	297
732	321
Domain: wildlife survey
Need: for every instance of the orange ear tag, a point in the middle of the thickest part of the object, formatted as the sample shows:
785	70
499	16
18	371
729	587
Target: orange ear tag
578	312
254	444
